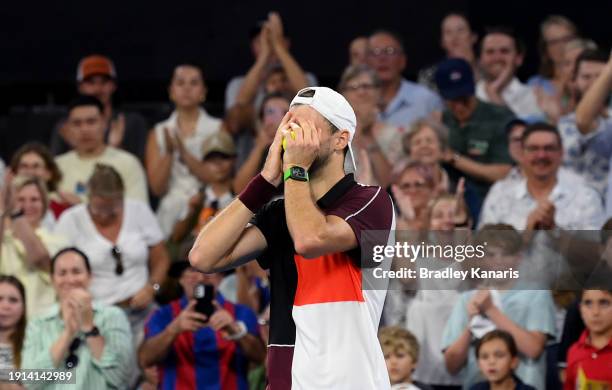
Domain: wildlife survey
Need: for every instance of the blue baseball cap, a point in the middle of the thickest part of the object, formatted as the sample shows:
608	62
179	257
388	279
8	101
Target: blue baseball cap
455	78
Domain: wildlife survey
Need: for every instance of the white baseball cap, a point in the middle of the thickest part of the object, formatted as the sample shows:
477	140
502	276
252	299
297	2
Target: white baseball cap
333	106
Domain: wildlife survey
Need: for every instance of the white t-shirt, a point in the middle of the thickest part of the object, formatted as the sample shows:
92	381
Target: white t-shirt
182	184
138	233
519	98
77	170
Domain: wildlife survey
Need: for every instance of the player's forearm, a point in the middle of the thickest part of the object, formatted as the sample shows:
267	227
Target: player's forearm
305	221
218	237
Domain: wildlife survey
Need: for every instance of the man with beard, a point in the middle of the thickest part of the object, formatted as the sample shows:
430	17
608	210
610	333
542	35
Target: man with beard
543	198
501	54
311	243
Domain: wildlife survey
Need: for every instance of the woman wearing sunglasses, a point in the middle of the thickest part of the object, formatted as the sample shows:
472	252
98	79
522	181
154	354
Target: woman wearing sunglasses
91	340
123	240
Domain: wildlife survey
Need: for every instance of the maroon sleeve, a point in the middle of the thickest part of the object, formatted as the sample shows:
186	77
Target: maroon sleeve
365	208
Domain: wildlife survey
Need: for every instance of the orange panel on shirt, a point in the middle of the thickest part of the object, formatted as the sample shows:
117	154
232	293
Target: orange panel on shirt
329	278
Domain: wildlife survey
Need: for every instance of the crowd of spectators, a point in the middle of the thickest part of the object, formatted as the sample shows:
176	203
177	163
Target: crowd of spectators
96	226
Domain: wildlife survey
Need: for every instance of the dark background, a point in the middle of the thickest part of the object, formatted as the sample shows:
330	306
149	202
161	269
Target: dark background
42	41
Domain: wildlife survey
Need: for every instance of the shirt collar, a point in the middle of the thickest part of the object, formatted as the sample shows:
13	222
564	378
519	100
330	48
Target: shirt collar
337	191
558	191
401	98
584	342
513	86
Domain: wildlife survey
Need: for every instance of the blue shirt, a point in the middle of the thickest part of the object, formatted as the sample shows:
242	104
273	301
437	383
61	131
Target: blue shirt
202	360
540	81
533	310
412	102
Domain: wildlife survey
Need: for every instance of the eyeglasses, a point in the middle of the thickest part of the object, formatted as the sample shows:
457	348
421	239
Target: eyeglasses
116	253
362	86
388	51
417	185
73	360
545	148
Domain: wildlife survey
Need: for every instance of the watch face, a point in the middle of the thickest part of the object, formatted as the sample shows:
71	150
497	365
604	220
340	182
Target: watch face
298	173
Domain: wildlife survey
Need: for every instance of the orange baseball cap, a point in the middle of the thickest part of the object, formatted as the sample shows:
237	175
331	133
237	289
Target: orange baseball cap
95	65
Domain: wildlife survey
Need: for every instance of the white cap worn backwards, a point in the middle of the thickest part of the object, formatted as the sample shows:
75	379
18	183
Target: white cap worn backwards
333	107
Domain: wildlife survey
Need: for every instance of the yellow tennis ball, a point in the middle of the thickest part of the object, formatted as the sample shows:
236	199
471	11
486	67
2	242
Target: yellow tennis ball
285	140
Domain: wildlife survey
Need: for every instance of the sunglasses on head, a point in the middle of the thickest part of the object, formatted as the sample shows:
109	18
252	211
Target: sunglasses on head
73	360
116	253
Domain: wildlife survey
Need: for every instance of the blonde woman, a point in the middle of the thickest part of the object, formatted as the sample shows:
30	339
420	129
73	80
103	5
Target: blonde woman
27	245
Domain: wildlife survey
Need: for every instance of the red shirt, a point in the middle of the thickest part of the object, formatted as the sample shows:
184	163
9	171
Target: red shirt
588	367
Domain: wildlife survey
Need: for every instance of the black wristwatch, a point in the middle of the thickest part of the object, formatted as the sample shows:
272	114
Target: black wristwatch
296	173
93	332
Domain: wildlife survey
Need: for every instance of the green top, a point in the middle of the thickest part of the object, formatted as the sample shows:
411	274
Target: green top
112	371
482	138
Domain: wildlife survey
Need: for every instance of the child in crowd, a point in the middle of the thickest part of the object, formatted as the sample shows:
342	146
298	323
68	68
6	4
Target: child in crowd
528	315
497	357
589	360
401	350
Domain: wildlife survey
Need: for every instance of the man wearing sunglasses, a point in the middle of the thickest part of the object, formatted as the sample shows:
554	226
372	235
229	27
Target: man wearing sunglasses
311	243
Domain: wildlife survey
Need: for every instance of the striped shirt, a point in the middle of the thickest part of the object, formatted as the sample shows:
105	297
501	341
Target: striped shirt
202	359
111	371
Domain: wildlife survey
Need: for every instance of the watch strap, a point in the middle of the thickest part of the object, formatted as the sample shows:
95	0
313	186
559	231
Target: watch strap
93	332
